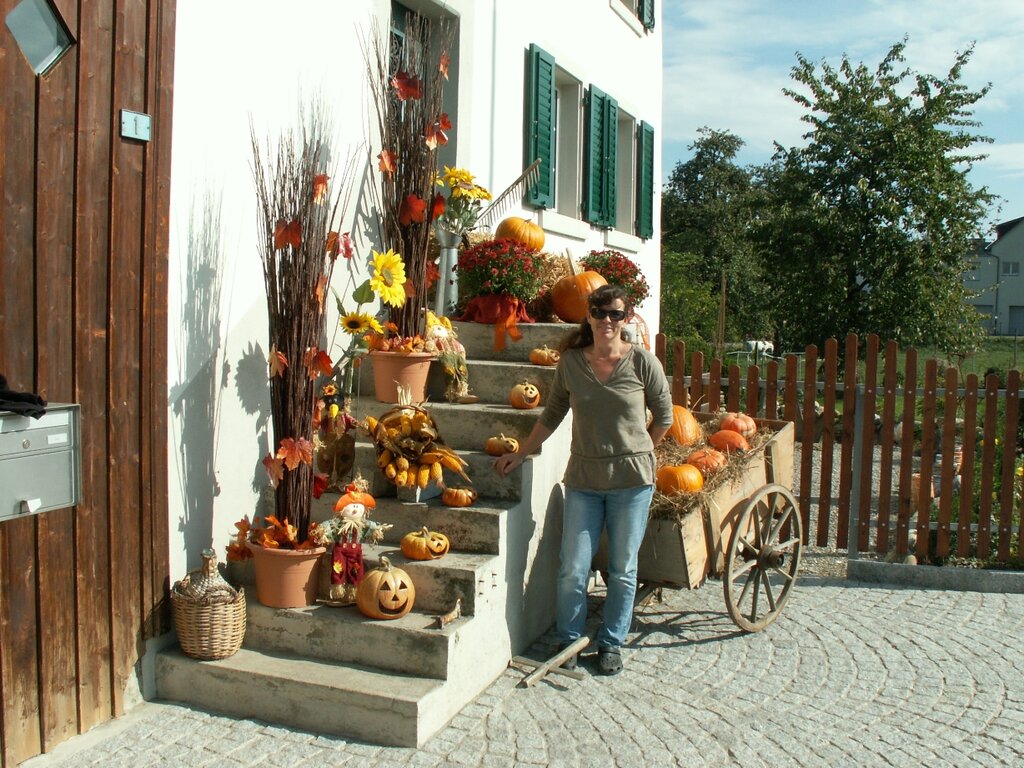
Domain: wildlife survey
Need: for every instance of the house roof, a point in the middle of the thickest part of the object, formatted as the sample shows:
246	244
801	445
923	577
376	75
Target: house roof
1006	226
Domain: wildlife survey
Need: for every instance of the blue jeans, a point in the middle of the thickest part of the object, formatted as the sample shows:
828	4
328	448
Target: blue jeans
624	512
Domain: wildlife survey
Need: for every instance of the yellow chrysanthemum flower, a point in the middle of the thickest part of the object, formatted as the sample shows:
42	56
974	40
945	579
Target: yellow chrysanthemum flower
388	278
455	176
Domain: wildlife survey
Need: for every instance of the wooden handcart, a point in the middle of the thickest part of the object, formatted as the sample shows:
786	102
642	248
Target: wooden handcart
747	531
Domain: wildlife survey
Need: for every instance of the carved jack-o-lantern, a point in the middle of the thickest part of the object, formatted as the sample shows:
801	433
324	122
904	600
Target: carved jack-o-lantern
500	445
386	592
425	544
524	395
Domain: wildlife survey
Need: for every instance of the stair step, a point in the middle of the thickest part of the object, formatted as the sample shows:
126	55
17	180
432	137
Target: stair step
475	529
478	339
373	705
463	427
413	644
492	380
439	583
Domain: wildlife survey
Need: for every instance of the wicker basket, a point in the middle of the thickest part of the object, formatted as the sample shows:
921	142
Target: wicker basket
209	614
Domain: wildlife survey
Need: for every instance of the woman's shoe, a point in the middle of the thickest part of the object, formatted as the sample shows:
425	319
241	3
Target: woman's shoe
570	663
609	661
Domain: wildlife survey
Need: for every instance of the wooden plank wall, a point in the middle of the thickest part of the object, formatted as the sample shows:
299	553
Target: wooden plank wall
83	307
974	421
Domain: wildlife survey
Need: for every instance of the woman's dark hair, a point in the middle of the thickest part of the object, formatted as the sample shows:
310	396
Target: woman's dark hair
583	336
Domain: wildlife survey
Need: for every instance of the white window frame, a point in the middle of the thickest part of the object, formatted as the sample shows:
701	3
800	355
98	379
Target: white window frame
1011	269
568	160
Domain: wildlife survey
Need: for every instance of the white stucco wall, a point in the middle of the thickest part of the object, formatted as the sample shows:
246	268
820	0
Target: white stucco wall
233	65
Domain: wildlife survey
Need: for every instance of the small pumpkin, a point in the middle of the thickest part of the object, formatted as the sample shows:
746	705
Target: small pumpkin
524	396
726	440
385	592
425	544
458	497
685	429
739	423
522	231
544	356
707	460
569	295
500	445
681	478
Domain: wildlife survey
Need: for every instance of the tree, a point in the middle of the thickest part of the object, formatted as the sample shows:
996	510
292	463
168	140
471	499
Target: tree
688	306
869	223
707	211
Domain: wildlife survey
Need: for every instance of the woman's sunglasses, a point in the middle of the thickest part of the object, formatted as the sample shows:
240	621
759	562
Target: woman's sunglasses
616	315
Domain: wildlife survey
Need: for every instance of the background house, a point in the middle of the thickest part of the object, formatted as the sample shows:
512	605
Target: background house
996	281
502	60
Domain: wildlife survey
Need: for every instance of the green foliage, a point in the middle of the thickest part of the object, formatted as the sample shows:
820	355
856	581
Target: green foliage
688	305
707	210
865	228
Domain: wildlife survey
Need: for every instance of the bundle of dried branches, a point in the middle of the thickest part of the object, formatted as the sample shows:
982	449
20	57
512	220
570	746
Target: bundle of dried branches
296	210
407	86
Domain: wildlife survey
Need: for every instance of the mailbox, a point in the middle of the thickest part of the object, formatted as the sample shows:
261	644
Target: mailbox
40	462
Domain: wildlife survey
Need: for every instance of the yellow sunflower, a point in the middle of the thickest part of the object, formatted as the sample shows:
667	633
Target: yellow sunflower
388	278
356	323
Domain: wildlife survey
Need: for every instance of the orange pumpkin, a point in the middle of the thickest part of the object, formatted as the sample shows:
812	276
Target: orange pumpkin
740	423
569	295
726	440
707	460
425	544
458	497
522	231
681	478
544	356
524	396
685	429
500	445
386	592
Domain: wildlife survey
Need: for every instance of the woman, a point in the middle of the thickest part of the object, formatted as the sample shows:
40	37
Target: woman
609	384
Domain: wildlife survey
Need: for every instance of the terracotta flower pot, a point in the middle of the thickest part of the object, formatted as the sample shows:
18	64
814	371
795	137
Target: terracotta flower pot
391	369
286	578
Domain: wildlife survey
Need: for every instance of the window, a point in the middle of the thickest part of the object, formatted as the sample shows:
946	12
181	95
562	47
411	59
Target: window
1011	268
597	162
568	147
642	10
40	33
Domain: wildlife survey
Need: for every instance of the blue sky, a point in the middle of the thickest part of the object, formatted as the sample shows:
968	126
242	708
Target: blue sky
727	61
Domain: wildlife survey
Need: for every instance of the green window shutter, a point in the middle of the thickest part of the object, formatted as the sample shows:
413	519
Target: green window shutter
593	178
646	14
645	181
611	132
540	124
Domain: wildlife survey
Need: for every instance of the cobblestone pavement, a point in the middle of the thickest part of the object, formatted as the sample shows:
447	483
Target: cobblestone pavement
850	674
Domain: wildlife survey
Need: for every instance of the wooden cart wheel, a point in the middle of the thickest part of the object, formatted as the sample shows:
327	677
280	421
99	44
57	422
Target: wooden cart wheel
761	567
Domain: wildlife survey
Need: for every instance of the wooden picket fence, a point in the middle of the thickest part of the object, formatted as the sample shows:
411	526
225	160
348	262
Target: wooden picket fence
909	429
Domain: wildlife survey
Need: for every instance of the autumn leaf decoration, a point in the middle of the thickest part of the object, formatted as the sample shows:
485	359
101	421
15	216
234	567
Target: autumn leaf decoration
407	86
414	209
278	362
387	162
295	451
435	134
287	233
318	363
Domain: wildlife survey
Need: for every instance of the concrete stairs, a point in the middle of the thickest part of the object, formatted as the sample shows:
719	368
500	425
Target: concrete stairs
331	670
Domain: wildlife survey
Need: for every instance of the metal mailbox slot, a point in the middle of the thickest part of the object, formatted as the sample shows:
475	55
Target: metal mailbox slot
40	462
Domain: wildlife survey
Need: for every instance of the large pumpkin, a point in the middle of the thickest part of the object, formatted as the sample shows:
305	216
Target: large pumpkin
707	460
739	423
569	295
726	440
522	231
425	544
386	592
681	478
685	429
